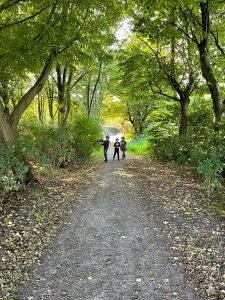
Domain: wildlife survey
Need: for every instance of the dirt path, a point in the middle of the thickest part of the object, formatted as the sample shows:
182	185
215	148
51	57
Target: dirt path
114	246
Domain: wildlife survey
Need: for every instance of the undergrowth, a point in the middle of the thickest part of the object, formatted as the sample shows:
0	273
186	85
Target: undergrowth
139	146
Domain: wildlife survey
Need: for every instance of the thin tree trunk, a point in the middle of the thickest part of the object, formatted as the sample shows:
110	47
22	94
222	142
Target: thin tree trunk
64	85
206	68
50	96
184	117
88	86
212	83
41	108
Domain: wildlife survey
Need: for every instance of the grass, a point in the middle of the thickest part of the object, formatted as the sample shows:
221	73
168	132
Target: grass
220	206
97	154
139	146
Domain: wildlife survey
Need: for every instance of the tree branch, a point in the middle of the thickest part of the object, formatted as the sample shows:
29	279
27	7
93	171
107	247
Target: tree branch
7	25
83	73
216	39
2	110
154	52
159	91
192	38
40	36
96	83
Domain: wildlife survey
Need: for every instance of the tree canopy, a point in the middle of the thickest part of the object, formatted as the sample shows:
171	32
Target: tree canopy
164	77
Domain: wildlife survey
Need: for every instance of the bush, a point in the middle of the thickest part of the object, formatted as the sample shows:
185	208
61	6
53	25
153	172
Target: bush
75	142
83	134
13	165
211	168
139	146
43	144
206	154
12	170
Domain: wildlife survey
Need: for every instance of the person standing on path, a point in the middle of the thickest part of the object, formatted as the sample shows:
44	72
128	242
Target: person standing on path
105	145
123	146
116	149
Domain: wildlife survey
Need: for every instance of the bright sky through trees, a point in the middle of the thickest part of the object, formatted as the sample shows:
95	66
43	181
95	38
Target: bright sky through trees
124	29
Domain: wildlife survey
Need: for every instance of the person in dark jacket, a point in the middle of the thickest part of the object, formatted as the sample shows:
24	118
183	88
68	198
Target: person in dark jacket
123	146
116	149
105	145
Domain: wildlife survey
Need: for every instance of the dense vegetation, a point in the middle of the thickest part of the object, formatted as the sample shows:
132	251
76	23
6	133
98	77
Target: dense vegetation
152	70
53	55
62	75
171	81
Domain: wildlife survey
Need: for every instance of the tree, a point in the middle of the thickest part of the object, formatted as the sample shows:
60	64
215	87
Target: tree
197	29
175	77
38	40
195	21
65	84
130	84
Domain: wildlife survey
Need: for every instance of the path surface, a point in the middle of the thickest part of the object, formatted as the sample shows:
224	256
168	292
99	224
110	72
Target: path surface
112	247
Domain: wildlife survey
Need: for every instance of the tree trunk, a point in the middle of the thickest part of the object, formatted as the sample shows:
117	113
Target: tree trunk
41	108
8	123
207	73
206	68
26	100
50	96
7	131
140	129
64	83
184	117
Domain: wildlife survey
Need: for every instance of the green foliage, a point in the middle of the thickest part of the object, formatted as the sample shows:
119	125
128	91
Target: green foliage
76	141
43	144
211	168
202	147
97	153
12	170
206	155
220	206
49	140
13	166
139	146
40	214
83	133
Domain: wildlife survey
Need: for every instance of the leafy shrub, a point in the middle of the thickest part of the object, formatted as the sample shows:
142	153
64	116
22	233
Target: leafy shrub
45	144
202	147
211	168
13	166
206	154
76	141
139	146
82	134
12	170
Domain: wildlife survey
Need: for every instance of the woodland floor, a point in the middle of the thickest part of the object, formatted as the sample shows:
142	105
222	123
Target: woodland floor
122	230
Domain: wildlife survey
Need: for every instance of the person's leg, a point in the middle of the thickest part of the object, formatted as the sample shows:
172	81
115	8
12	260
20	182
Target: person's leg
118	154
123	154
114	154
105	154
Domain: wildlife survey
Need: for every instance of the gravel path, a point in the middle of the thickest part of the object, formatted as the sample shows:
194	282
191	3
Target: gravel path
111	248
